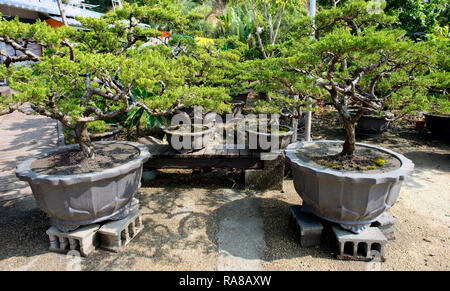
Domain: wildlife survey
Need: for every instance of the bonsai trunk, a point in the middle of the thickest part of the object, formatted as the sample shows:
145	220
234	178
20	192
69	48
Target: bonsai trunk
350	139
82	138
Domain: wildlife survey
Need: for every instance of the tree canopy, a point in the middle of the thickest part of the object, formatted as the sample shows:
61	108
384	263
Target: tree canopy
355	61
87	75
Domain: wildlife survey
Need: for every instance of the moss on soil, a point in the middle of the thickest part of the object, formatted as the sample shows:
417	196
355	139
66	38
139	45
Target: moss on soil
339	165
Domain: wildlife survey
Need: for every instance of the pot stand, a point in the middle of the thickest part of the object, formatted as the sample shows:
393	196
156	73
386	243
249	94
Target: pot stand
355	227
67	226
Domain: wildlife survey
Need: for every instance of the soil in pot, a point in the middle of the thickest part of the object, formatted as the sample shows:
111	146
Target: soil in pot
363	160
185	129
280	130
72	162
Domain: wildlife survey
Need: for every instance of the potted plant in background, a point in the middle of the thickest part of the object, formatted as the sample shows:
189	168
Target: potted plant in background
262	25
286	98
437	116
370	125
80	71
438	121
380	71
196	75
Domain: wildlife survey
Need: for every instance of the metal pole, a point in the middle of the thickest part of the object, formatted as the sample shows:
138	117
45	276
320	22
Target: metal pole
312	13
118	2
62	12
294	124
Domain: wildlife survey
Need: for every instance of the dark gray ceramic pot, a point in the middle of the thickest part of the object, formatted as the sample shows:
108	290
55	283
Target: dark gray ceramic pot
371	126
353	200
284	139
193	140
82	199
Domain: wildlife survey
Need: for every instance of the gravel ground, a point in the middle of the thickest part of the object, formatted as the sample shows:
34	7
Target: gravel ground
181	218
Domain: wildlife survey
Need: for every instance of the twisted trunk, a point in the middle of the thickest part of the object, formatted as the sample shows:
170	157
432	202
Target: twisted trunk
350	139
82	138
349	123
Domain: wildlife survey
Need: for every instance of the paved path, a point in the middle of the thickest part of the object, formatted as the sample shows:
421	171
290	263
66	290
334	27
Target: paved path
241	234
22	136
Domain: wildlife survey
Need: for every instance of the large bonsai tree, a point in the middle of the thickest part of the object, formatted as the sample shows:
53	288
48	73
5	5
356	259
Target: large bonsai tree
87	75
376	71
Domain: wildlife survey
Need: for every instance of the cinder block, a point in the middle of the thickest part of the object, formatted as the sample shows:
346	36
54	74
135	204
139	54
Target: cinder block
365	246
384	220
388	231
307	225
83	239
117	234
386	224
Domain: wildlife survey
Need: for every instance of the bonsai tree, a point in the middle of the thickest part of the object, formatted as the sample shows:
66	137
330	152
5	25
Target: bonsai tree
286	92
187	74
439	102
376	71
87	75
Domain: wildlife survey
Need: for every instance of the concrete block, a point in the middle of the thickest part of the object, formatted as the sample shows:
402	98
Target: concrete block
117	234
389	232
386	224
83	239
365	246
270	177
384	220
307	225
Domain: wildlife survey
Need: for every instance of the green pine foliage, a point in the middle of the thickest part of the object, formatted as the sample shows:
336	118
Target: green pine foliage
88	75
353	60
351	55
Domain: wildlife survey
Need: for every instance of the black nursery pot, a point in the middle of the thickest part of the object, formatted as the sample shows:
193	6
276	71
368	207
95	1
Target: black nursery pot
438	125
371	126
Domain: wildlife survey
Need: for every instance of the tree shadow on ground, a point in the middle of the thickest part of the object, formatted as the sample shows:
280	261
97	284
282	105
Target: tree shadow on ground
174	235
282	240
175	231
36	136
39	140
192	178
169	236
22	228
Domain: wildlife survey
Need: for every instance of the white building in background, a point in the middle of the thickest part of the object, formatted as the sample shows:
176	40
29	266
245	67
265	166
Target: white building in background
29	11
37	9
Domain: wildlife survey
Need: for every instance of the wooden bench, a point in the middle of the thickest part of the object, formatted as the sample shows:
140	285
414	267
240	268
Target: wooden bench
259	174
